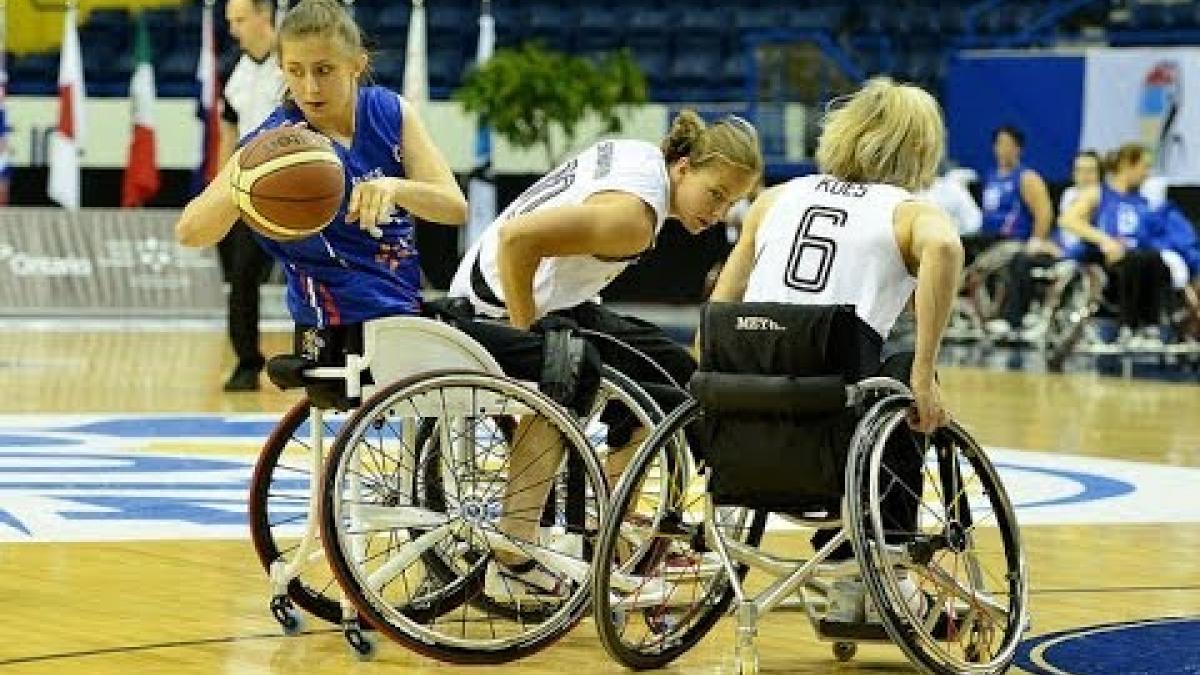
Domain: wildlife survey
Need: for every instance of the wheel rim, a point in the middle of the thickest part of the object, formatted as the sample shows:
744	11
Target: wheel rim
965	556
464	527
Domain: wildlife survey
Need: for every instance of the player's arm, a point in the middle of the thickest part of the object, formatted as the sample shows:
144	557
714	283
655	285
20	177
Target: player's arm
609	224
1077	219
207	218
1037	198
933	253
731	285
429	191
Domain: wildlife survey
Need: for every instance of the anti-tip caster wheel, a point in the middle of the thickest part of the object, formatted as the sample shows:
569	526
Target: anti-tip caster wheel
290	620
844	651
747	660
361	644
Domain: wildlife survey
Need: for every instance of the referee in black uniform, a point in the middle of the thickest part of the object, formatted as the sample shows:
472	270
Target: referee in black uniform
251	88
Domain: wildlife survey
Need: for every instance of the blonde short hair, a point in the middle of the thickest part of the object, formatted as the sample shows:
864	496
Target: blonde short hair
883	133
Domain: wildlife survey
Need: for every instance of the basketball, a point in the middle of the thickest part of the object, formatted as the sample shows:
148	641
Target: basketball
288	183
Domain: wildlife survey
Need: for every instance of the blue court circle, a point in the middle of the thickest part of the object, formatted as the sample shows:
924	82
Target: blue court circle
1166	646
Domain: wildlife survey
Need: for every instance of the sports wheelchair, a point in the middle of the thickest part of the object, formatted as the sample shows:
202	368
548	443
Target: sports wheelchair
410	491
790	416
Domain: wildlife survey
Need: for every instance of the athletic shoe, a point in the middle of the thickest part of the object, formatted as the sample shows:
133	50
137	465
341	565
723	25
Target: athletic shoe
529	581
999	328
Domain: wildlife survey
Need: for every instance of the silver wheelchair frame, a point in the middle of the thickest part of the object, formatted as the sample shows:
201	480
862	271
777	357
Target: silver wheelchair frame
796	584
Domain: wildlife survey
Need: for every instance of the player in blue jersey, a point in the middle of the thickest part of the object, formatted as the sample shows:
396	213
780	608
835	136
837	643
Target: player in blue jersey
364	265
1116	225
1016	207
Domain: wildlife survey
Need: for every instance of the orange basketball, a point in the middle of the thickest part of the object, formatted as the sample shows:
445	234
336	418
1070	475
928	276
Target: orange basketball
288	183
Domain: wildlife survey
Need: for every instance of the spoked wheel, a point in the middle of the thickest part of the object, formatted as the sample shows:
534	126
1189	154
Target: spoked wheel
1076	303
656	600
617	397
288	468
938	543
423	493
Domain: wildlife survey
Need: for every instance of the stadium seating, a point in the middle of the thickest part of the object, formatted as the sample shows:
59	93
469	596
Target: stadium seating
682	48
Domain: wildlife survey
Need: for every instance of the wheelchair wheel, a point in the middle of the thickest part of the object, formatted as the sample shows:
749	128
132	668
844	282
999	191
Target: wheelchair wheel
656	601
616	389
279	508
410	524
1075	304
950	584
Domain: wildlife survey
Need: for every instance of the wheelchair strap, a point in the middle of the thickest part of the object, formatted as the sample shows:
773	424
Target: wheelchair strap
562	360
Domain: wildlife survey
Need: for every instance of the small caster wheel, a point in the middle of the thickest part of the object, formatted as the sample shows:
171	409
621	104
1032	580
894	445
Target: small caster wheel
844	651
291	621
972	653
361	644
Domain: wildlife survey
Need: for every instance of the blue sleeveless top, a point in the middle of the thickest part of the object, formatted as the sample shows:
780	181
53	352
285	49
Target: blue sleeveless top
1004	212
344	275
1125	216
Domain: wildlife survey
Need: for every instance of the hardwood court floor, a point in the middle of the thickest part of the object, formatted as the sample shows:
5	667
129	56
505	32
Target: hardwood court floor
199	606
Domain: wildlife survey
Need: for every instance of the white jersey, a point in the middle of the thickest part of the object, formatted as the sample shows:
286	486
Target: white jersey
829	242
563	282
254	90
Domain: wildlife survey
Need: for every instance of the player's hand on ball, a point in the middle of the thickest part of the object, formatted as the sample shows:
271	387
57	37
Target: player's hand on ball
372	203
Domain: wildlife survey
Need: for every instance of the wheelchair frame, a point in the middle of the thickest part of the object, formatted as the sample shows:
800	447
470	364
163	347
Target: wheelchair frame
465	352
790	576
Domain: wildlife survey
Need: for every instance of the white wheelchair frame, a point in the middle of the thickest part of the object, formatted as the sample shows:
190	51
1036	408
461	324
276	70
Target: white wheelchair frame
429	347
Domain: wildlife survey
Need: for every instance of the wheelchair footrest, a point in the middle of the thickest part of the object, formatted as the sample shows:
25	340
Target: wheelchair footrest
287	370
856	632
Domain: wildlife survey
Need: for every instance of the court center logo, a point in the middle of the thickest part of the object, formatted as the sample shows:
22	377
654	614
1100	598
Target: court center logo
137	477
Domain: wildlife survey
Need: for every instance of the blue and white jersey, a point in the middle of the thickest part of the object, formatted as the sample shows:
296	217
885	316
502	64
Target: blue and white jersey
344	275
1004	212
1124	216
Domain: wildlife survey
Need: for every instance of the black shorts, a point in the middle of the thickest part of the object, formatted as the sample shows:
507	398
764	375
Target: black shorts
638	349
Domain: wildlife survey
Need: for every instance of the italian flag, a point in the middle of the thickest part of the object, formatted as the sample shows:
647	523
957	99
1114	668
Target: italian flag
141	172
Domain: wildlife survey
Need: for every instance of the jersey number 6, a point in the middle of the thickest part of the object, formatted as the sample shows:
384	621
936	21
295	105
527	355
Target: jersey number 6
807	277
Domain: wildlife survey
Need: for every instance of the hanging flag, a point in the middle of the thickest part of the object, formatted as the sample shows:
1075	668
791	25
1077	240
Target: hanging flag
5	165
141	172
481	188
66	142
416	77
207	104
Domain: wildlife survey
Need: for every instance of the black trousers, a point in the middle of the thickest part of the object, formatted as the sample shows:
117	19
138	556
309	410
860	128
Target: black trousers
1020	284
520	354
245	266
1140	282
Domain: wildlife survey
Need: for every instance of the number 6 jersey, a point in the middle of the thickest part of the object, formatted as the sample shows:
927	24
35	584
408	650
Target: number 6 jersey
829	242
563	282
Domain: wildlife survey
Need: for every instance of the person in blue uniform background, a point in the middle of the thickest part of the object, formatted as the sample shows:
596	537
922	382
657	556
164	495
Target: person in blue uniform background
1017	207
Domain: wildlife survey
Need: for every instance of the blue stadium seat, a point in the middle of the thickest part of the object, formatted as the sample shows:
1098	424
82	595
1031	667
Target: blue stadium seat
393	18
33	74
654	64
445	67
387	68
450	21
177	66
695	69
812	18
598	29
756	18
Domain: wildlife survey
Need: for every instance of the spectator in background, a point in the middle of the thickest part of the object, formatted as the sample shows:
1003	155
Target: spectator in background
1017	207
1115	223
252	89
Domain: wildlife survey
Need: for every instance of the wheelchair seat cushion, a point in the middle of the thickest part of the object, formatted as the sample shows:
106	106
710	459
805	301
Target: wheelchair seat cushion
779	440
